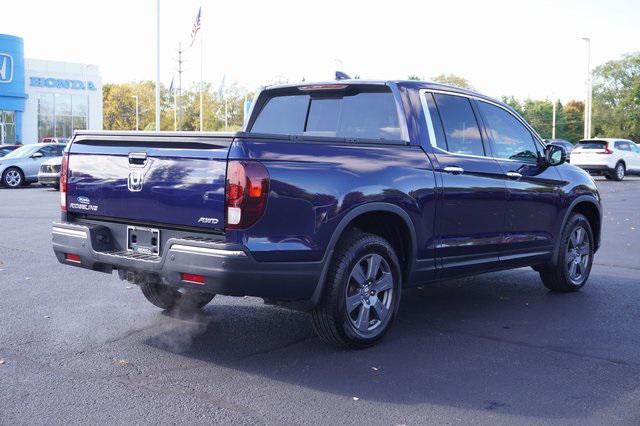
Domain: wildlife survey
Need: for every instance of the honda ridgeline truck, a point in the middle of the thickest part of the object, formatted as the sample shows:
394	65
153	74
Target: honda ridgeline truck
334	199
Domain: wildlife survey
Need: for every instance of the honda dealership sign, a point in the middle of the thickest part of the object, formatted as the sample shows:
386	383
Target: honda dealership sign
6	68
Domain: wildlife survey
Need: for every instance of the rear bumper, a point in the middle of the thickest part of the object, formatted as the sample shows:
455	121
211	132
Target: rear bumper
49	178
595	168
228	269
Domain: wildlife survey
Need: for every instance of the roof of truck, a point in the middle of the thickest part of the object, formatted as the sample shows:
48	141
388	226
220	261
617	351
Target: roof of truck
412	84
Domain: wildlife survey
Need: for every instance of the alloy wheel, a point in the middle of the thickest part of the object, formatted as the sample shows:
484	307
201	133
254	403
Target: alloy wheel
620	171
578	254
13	178
369	295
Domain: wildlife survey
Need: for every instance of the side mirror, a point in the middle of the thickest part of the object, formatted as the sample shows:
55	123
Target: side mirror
555	155
37	155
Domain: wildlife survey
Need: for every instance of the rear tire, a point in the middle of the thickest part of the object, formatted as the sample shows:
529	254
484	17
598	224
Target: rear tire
166	297
575	257
362	292
619	172
13	178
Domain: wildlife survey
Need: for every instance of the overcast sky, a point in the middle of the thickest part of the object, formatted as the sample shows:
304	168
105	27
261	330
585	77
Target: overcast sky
522	48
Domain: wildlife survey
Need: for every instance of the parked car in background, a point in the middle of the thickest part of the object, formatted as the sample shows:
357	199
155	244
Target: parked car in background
20	167
7	148
49	174
337	197
54	140
568	146
613	158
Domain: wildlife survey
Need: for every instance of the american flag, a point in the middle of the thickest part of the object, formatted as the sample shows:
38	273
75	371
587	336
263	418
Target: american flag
196	27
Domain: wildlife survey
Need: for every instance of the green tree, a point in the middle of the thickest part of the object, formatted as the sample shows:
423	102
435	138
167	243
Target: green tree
414	77
616	98
573	126
453	80
119	107
539	114
513	103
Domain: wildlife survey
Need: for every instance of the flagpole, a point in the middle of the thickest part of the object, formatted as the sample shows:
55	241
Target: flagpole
157	65
201	73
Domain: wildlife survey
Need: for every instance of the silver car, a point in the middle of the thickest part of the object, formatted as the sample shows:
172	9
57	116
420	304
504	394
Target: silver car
20	167
49	174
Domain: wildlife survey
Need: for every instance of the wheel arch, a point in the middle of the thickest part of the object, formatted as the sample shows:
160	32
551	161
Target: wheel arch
590	208
364	217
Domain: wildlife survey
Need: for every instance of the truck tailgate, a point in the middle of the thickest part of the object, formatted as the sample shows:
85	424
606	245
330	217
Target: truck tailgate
151	179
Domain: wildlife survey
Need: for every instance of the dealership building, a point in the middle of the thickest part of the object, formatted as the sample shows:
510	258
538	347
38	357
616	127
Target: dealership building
42	99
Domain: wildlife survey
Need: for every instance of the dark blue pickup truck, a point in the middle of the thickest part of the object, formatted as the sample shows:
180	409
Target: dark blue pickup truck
335	198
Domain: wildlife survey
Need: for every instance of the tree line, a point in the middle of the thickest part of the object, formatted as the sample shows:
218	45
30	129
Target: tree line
119	107
616	105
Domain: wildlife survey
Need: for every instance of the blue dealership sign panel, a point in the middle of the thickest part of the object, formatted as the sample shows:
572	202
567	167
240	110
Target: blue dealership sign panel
12	90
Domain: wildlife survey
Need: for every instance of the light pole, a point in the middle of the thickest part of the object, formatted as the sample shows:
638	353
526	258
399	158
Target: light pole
86	93
553	120
137	113
157	65
588	94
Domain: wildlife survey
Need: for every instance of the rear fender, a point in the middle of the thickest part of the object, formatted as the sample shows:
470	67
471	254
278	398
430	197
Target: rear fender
339	232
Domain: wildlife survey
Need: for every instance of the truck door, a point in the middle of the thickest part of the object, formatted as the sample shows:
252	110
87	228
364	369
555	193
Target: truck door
471	200
533	196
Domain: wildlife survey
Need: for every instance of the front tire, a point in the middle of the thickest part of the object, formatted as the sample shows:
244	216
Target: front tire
166	297
13	178
575	257
362	292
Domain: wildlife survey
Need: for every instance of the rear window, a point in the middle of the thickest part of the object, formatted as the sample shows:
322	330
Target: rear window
592	144
362	115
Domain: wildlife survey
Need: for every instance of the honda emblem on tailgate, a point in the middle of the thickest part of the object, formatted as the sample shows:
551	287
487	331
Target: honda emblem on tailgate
134	182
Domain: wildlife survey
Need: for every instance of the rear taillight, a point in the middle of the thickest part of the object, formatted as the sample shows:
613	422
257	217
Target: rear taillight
606	151
246	193
64	168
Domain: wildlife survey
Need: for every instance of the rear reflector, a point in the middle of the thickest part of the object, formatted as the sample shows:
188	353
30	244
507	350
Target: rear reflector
70	257
192	278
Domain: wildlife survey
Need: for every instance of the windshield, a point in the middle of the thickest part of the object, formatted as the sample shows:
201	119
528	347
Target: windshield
22	152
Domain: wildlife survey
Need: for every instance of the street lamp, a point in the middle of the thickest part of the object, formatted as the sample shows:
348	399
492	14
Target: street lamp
137	115
588	95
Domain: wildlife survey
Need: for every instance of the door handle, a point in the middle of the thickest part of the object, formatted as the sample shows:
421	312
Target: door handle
137	158
514	175
454	170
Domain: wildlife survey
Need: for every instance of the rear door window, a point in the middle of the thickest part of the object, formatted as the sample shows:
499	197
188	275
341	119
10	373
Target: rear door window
365	115
623	146
460	125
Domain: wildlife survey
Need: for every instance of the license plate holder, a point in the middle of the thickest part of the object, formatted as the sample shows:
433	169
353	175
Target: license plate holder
143	240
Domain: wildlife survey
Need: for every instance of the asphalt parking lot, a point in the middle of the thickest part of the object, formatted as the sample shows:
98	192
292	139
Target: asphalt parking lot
85	347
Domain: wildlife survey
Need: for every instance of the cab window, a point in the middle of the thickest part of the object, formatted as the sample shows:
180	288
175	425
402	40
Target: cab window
509	138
